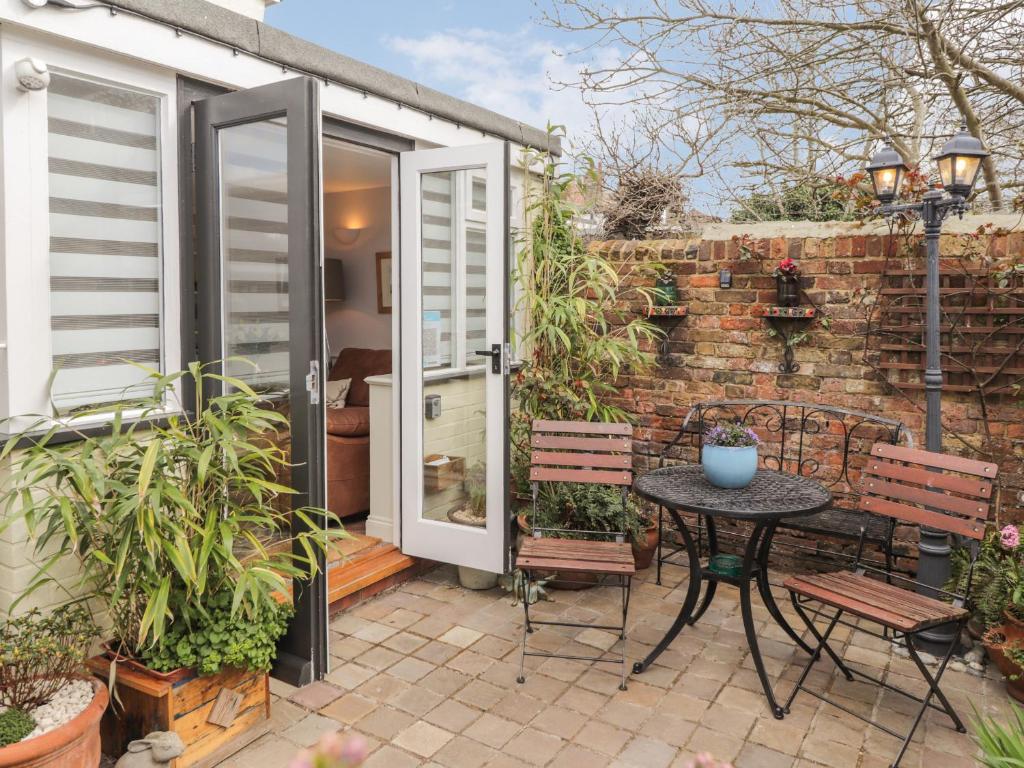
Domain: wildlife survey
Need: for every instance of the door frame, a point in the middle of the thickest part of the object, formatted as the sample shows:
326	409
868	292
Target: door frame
302	653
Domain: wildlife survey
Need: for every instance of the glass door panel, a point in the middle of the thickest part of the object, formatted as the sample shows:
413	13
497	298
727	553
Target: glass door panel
259	295
454	330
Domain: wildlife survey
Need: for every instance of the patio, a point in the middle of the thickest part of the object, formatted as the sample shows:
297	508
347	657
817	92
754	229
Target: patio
427	672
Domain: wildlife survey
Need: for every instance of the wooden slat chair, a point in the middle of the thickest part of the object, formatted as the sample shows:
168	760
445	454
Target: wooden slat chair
944	492
579	452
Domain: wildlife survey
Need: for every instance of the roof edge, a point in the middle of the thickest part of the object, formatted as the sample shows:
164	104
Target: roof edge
260	39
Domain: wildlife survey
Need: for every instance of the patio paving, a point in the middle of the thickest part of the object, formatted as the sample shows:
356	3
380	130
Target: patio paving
427	674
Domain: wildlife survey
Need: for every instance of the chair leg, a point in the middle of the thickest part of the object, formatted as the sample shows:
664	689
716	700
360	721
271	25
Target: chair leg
627	582
657	579
822	639
822	645
527	629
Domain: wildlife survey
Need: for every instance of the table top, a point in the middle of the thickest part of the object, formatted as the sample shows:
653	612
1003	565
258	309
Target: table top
770	494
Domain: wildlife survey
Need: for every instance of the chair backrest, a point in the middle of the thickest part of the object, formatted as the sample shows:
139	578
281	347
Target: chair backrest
949	493
581	452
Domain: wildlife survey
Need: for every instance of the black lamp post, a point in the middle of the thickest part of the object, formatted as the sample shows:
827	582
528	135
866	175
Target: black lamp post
958	165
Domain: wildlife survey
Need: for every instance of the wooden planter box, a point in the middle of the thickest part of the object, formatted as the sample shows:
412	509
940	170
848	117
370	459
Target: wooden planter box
211	729
439	478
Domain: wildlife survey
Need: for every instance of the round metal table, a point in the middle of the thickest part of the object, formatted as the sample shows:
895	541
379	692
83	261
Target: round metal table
770	497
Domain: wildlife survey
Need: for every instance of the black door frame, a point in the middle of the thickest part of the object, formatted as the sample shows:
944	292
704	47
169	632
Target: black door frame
303	653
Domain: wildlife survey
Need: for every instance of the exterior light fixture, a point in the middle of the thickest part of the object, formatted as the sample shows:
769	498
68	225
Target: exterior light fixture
958	168
887	170
960	162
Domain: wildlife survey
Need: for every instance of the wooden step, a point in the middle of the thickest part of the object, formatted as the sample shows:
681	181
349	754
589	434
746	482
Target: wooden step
368	567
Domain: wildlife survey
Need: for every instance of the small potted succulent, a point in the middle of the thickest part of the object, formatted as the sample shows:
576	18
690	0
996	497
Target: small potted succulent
50	709
729	455
787	283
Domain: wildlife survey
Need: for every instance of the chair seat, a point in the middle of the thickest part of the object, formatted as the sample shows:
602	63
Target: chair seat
576	556
886	604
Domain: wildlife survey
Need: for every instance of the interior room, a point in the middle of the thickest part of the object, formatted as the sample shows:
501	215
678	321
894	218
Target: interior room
358	271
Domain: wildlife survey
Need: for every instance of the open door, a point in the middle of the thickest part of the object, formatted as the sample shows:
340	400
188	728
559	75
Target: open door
260	284
454	352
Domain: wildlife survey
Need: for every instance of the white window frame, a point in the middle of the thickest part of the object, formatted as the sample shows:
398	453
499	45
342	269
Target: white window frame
25	262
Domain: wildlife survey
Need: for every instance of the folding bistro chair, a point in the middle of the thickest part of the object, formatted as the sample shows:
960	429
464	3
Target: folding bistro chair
948	493
579	452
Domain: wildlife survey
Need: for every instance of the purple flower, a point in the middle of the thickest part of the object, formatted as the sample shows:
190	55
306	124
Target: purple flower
731	436
1009	537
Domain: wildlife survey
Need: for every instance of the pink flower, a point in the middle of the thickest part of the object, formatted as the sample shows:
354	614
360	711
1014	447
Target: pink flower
302	760
1009	537
354	751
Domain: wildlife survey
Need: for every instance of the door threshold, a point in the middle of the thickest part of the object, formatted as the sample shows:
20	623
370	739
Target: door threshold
364	566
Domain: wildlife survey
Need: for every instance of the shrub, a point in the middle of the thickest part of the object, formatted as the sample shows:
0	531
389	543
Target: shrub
156	508
15	725
217	640
584	507
39	654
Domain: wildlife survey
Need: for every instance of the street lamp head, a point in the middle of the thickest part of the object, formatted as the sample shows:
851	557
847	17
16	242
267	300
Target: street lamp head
960	162
887	169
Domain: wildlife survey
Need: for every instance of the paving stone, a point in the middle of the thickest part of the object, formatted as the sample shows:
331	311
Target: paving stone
385	723
480	694
452	716
373	632
349	708
389	757
436	652
417	700
575	756
349	675
269	751
411	669
404	643
471	663
380	658
756	756
463	752
534	747
423	739
463	637
492	730
602	737
309	729
644	752
559	721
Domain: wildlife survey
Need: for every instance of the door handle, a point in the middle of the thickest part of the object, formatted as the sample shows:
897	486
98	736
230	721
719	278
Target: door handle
495	354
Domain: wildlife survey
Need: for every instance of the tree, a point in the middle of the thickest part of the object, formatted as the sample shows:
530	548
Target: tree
765	96
804	202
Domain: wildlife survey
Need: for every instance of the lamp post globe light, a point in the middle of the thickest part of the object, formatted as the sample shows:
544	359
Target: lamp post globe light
958	166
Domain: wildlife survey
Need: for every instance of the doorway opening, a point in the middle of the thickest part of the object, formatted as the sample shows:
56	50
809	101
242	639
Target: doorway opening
359	396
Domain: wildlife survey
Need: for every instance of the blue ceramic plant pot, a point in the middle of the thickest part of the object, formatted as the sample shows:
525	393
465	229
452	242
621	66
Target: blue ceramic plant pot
728	467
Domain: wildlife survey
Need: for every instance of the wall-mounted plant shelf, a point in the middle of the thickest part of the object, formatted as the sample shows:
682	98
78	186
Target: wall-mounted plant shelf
787	322
671	316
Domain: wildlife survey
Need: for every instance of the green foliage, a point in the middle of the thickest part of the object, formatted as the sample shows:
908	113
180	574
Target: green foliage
157	513
587	507
997	583
218	640
824	201
579	336
39	654
15	725
1002	746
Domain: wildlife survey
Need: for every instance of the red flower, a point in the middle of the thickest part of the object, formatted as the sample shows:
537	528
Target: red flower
788	267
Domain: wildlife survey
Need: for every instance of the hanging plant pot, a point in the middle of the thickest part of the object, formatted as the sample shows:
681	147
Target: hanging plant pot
666	291
788	289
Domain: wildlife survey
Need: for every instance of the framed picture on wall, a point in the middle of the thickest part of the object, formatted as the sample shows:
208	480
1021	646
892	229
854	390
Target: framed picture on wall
384	282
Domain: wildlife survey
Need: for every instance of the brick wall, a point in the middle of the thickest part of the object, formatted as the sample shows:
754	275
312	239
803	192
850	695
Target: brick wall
721	349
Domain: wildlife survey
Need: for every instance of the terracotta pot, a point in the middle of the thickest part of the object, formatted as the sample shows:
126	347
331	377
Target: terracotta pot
72	745
1014	687
643	554
1012	628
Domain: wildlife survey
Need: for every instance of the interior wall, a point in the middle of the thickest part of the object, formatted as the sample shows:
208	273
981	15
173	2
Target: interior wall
355	322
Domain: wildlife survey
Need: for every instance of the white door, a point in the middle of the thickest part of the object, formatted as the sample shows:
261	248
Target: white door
453	294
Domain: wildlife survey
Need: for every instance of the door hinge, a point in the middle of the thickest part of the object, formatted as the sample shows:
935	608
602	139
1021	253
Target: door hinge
313	382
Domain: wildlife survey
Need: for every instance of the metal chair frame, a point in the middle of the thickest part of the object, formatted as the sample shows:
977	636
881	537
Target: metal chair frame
882	503
544	463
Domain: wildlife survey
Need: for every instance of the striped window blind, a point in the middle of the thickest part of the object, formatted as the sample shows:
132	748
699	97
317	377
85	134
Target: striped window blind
476	292
254	242
438	193
105	240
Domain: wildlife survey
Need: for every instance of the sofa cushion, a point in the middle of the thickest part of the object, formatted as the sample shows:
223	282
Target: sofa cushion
350	421
356	364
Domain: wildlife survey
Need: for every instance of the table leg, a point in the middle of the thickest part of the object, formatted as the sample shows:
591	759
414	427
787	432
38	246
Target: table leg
749	562
692	593
712	586
765	589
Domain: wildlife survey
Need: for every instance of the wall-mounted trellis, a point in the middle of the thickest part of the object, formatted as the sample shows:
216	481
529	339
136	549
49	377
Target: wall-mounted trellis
981	323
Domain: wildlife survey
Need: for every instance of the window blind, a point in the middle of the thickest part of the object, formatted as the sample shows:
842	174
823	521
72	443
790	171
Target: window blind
105	240
437	211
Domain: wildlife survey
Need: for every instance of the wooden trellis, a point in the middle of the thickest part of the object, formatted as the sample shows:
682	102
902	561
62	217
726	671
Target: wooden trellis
981	325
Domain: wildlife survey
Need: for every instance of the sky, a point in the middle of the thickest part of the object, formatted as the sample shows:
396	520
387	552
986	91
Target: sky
492	53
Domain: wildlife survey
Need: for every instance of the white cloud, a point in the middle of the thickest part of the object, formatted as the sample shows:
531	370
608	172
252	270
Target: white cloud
512	74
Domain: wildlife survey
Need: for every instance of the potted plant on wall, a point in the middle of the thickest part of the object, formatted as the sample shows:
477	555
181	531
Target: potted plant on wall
178	539
729	455
787	283
51	709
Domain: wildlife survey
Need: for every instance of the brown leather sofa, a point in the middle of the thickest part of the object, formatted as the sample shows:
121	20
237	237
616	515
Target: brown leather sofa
348	431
